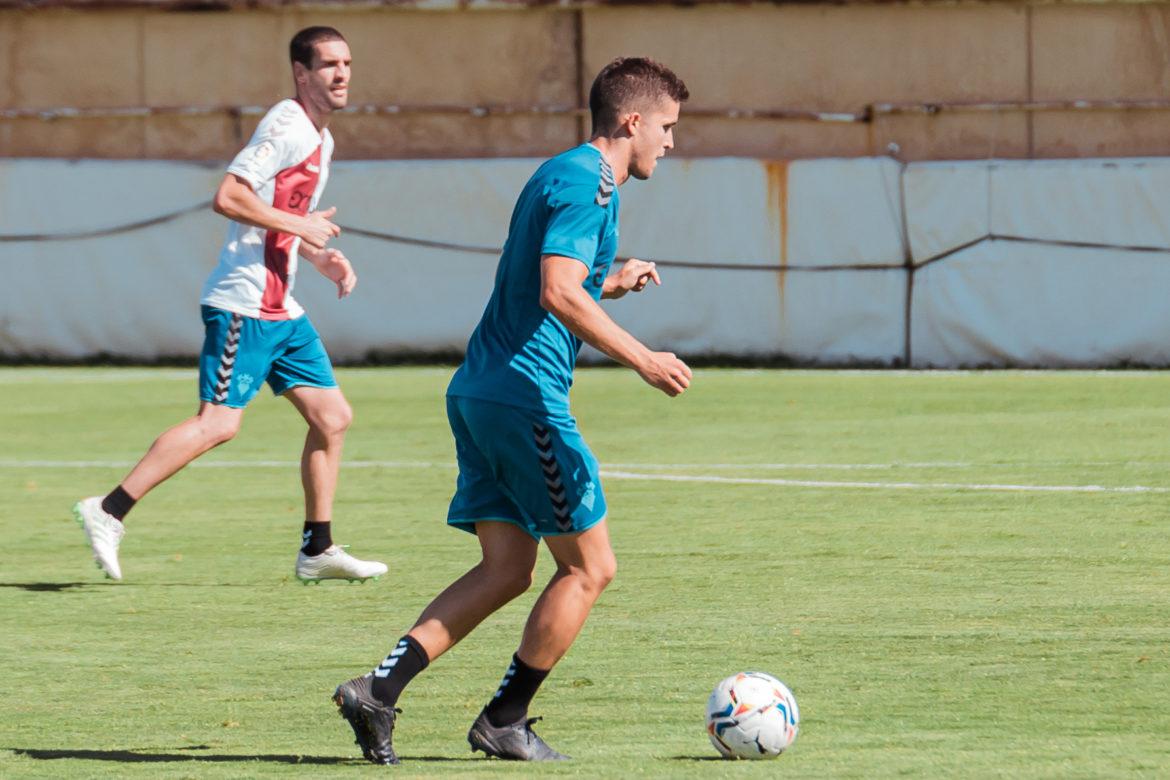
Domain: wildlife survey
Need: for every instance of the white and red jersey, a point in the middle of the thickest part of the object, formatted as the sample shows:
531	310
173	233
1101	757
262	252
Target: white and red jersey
287	164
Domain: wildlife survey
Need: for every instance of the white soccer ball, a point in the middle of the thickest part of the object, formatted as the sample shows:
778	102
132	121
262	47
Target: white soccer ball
752	715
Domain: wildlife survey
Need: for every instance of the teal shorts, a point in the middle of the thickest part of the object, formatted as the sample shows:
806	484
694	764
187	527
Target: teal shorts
522	466
241	353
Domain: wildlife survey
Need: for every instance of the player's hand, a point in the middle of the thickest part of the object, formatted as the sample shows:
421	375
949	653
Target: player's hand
336	267
666	372
317	229
634	275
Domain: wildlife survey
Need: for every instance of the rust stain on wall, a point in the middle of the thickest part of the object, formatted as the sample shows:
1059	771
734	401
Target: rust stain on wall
777	175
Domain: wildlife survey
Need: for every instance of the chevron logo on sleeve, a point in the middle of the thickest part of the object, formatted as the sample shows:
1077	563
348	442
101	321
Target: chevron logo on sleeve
606	186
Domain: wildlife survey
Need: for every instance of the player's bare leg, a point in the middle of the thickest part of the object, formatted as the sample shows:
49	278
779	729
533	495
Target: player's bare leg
585	566
101	519
213	425
503	573
329	416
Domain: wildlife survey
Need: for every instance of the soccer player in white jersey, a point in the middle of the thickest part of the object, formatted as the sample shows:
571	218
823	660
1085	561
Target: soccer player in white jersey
255	331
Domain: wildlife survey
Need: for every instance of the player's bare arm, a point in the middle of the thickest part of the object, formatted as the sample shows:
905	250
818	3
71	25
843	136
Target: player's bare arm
562	295
333	265
633	276
235	200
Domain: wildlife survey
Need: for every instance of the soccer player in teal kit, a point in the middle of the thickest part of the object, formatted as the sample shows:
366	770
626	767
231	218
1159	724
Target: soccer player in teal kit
525	473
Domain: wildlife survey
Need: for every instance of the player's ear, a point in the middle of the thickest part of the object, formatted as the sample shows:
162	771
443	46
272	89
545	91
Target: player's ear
631	122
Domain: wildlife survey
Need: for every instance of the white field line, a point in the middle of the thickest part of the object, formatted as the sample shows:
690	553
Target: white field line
936	372
794	466
637	475
937	464
989	487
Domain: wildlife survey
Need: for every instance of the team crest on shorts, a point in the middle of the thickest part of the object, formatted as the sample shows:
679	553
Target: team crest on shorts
243	383
588	495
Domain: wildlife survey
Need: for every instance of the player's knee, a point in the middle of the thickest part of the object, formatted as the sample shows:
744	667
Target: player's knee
336	420
605	571
218	432
518	582
599	572
345	417
510	582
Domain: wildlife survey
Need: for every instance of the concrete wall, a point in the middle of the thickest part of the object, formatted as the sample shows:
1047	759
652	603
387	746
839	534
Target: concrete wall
827	58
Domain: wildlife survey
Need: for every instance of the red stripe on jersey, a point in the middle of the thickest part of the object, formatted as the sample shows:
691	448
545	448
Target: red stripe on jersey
293	191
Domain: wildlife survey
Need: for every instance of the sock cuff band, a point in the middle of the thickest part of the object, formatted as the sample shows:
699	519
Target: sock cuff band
414	645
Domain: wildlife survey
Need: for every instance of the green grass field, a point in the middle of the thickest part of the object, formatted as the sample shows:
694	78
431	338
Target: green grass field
861	535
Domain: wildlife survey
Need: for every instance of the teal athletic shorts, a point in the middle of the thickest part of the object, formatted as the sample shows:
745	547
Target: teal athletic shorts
241	353
522	466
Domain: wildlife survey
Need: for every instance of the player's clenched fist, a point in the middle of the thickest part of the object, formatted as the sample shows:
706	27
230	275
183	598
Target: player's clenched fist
317	229
666	372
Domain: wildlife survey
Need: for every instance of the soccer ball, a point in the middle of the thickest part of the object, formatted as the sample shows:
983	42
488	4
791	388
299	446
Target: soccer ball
752	715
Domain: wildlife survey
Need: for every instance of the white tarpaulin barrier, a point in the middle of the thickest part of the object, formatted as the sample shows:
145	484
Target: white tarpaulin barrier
1055	263
1076	307
946	206
133	294
1122	202
845	212
729	224
773	216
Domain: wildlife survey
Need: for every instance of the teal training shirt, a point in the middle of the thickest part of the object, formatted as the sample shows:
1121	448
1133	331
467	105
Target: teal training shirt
520	354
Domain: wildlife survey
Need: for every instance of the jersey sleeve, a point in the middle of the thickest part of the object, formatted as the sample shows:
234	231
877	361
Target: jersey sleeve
576	224
268	151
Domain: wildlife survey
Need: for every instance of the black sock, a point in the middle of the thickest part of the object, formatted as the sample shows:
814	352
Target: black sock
118	503
405	661
315	538
511	701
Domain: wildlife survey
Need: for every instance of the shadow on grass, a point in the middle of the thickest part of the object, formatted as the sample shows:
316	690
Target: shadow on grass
47	587
144	757
61	587
134	756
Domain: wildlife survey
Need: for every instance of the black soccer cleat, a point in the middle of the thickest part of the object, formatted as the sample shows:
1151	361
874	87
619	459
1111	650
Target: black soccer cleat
372	721
514	742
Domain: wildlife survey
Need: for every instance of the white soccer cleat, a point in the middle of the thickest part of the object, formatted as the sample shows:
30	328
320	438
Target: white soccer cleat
336	564
104	532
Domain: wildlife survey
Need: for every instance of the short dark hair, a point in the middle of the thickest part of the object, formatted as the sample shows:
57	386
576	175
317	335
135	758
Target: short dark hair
631	82
301	47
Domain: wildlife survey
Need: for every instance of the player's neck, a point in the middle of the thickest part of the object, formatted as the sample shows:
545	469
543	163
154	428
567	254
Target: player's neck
617	154
320	119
